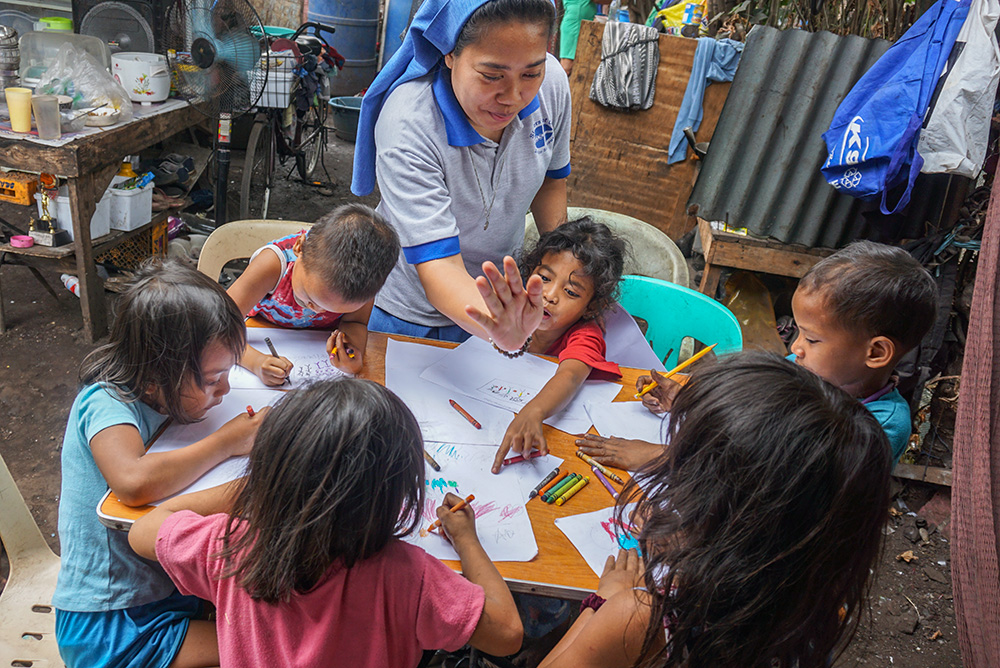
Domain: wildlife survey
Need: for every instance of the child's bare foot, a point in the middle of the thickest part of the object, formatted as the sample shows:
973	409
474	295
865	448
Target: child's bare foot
619	452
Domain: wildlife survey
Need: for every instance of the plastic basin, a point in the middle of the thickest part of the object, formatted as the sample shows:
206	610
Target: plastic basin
346	111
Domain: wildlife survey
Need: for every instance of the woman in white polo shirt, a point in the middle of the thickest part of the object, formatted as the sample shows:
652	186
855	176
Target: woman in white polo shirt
465	130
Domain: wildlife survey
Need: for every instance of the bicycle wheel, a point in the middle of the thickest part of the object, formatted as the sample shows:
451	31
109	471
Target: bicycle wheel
258	171
311	143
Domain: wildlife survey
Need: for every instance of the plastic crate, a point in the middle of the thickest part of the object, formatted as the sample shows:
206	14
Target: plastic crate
100	223
130	208
280	79
133	252
17	187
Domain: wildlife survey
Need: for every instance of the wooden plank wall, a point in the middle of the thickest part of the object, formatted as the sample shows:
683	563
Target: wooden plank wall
620	158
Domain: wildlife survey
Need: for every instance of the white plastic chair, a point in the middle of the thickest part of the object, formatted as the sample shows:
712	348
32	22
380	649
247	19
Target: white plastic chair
239	239
27	618
653	253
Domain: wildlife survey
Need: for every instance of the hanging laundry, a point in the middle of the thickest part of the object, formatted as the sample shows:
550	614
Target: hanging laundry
955	134
714	60
626	76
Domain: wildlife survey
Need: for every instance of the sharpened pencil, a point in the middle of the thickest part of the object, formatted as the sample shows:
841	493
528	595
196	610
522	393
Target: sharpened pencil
680	367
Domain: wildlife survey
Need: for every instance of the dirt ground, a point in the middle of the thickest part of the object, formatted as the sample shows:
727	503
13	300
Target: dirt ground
912	620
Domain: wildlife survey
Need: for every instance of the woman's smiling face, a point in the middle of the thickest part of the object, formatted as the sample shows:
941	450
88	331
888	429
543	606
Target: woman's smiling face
499	75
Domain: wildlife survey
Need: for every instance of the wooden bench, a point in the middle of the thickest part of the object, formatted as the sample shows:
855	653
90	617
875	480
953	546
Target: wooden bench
727	250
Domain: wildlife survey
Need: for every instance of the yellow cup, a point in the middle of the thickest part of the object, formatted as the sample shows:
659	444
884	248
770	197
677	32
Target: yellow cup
19	106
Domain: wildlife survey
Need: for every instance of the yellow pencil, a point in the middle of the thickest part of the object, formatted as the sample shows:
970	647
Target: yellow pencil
680	367
580	484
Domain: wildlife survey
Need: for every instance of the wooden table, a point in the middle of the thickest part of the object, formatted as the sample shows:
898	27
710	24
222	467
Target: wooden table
558	570
88	164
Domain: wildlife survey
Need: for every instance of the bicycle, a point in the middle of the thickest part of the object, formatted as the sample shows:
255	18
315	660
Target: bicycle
280	133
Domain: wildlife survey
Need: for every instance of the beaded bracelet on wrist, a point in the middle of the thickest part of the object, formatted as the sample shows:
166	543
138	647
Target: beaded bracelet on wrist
511	355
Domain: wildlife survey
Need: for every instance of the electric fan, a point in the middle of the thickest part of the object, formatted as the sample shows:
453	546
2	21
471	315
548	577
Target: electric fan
215	60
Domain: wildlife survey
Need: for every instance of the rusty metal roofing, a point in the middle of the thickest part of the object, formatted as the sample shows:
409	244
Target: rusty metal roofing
762	168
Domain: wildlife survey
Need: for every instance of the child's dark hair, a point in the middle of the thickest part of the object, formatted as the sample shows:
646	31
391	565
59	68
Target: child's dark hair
164	320
353	249
336	471
877	288
493	12
598	249
763	517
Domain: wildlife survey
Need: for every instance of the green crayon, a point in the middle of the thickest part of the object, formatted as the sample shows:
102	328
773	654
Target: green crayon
564	485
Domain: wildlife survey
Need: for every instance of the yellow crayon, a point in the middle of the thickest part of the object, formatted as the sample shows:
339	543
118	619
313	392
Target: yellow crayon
572	490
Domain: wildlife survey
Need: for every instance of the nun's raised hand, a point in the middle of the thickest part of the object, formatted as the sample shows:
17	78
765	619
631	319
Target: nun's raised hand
514	309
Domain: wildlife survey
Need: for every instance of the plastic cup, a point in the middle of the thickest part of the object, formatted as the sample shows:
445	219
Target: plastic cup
19	106
47	120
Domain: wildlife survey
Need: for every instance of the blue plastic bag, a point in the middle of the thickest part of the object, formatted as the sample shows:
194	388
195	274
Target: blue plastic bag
872	140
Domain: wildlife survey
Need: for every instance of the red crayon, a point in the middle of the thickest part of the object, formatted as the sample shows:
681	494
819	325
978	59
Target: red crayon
521	458
464	413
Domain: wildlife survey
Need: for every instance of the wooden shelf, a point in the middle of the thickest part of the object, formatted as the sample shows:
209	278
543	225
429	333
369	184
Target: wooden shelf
100	244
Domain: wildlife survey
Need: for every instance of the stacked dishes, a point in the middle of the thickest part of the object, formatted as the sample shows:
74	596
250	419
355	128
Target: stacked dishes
10	57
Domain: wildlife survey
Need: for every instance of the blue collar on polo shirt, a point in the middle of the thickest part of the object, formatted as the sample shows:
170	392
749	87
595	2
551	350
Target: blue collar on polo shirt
460	131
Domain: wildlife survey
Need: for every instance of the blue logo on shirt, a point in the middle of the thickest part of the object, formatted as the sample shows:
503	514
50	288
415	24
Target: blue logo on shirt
541	134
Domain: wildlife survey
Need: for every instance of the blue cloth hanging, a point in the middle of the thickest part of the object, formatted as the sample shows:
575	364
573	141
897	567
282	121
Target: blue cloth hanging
872	140
431	35
714	60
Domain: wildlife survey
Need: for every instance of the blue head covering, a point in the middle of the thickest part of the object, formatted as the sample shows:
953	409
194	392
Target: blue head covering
431	35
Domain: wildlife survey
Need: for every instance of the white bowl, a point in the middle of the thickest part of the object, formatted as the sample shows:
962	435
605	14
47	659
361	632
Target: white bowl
100	120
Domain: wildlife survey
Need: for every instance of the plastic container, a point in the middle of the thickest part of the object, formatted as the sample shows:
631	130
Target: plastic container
100	223
56	24
40	49
278	89
130	208
346	112
357	36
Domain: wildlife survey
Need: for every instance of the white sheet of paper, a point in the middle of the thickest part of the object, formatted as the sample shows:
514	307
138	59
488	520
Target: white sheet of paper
404	362
574	419
182	435
502	522
476	370
626	345
306	348
627	419
596	535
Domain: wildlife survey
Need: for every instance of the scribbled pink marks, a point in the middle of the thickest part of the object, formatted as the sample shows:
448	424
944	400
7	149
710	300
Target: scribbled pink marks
504	513
621	534
510	511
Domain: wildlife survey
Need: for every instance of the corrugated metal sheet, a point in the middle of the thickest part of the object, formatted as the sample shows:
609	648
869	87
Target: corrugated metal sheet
762	169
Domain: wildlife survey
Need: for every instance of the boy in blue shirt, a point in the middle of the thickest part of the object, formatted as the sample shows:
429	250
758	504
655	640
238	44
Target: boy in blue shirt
858	312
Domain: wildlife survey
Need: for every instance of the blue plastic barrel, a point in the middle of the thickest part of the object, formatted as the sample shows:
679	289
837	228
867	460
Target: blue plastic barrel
356	39
397	15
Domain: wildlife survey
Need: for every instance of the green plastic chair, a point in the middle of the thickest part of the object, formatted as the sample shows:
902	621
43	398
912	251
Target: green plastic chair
674	312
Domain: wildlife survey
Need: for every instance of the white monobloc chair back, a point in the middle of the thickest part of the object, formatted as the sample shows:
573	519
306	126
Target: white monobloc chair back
239	239
652	253
27	619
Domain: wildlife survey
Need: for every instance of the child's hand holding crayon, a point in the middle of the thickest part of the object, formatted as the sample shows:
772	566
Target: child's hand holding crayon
239	433
459	524
523	433
343	354
660	398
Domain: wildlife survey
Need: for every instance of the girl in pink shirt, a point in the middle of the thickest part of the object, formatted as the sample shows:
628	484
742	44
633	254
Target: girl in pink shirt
302	558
